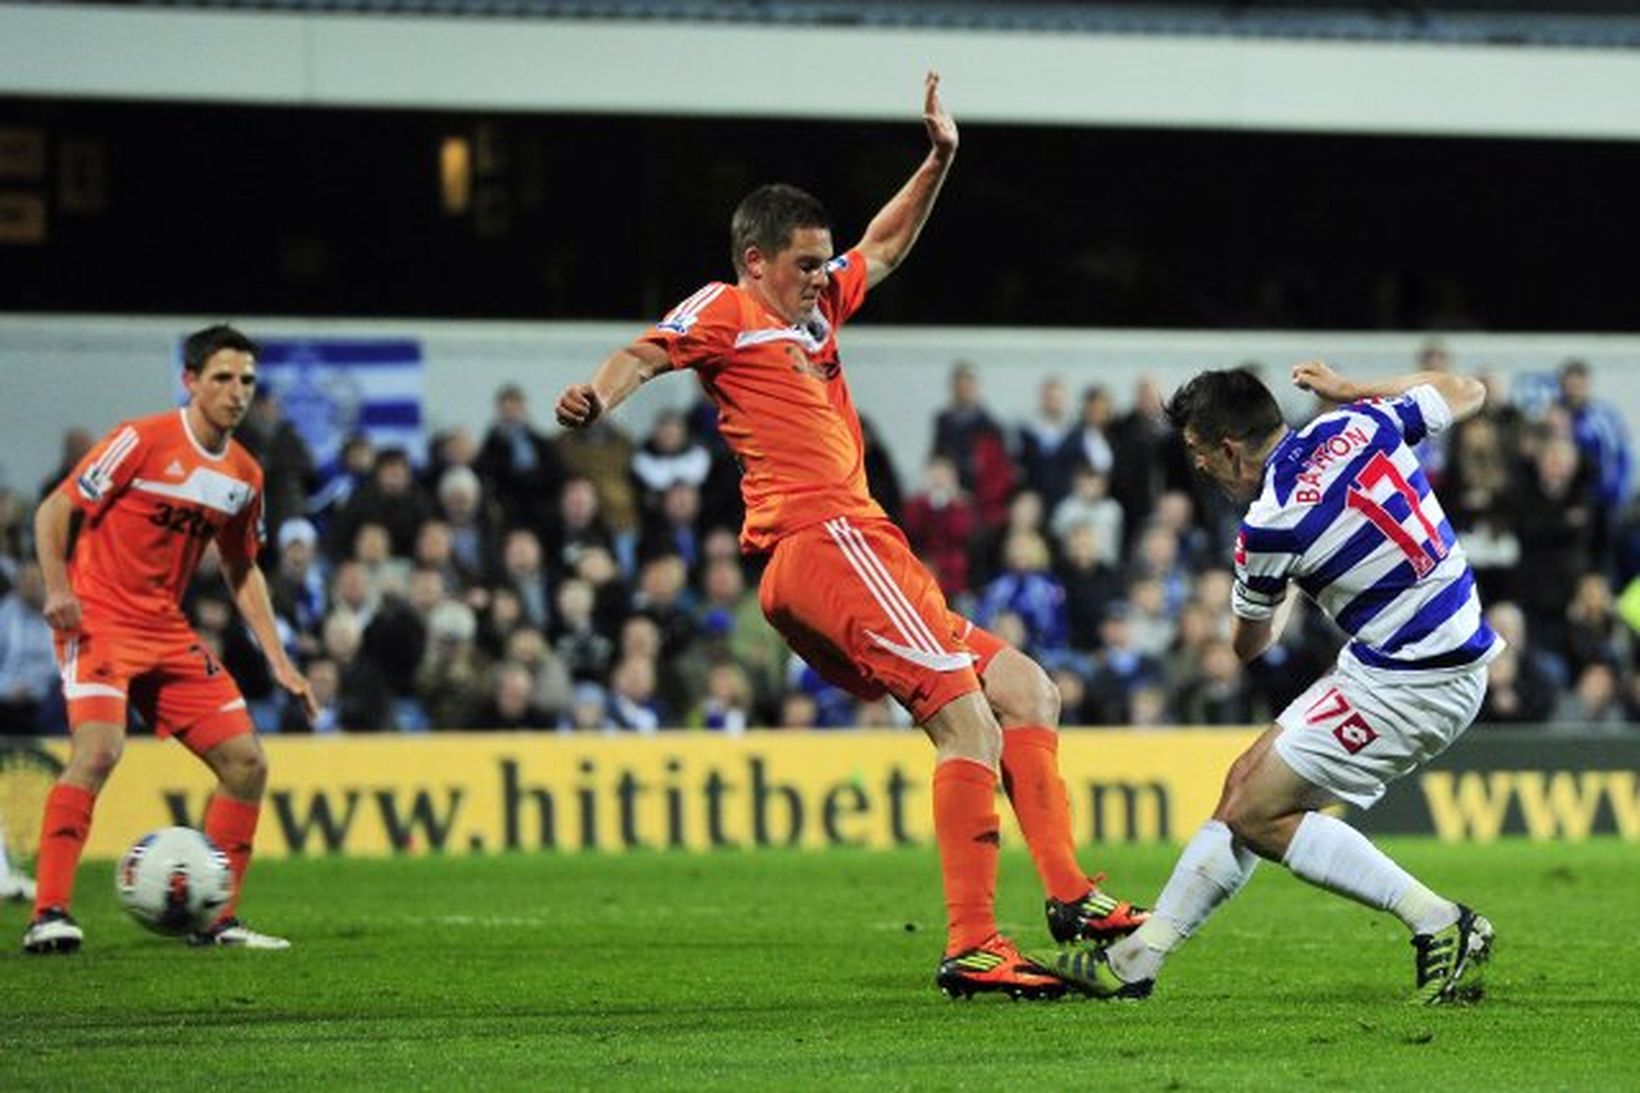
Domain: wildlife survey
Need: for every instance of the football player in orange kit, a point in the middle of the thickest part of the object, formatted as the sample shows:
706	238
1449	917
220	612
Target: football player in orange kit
841	584
155	493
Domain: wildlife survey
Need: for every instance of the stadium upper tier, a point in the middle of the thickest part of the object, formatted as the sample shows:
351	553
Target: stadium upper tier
1591	23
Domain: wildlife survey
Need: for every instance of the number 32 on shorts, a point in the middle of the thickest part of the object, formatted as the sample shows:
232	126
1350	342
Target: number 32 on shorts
1347	725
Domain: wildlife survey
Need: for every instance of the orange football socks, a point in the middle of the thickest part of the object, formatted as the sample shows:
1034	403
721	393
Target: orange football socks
965	824
231	825
63	830
1030	774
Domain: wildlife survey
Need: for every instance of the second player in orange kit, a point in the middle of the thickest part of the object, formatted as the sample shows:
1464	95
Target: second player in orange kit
155	494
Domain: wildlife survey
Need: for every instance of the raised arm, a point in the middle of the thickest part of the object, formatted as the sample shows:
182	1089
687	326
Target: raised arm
1463	394
622	373
893	231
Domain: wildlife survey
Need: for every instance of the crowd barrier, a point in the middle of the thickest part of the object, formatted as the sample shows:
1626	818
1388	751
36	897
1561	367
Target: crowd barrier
457	793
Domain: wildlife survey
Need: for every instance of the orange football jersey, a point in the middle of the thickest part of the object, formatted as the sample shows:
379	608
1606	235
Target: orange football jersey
784	407
154	498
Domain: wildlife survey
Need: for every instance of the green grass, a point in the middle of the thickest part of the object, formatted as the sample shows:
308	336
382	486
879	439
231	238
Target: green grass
789	970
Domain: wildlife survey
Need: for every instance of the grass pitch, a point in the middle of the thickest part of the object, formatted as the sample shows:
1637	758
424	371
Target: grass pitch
814	970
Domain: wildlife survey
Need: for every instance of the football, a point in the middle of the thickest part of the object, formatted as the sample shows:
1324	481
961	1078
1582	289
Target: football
174	880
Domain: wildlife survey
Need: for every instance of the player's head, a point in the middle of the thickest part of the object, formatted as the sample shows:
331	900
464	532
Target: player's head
780	239
1229	421
219	370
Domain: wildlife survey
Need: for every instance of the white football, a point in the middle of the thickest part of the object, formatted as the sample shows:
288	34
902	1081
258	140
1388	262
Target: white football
174	880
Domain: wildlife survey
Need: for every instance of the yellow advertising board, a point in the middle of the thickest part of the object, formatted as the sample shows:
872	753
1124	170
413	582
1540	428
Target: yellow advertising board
476	793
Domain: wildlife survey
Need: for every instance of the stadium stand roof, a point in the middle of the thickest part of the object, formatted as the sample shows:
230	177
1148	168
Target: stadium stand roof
1576	23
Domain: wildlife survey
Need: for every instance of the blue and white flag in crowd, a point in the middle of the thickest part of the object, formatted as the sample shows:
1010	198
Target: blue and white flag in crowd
332	388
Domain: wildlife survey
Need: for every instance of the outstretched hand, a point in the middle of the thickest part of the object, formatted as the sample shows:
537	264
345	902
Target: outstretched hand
579	406
297	686
1319	378
941	126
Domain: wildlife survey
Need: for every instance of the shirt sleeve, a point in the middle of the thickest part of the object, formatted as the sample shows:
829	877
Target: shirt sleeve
700	331
106	469
1261	577
846	290
1418	413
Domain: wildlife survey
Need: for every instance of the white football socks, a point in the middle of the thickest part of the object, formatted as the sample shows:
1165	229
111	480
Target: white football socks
1212	868
1333	855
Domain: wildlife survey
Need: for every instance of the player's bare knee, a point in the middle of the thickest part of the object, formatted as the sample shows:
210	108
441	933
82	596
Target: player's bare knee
243	769
1020	692
91	764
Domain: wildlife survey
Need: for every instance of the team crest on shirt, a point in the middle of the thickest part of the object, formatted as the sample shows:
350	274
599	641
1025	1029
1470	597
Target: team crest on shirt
801	362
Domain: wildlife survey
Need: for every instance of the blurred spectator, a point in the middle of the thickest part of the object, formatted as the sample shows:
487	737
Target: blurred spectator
669	457
1073	696
520	464
1156	557
355	463
612	599
453	680
1148	708
1603	442
1049	448
1093	431
665	599
288	471
1596	698
390	498
632	702
549	677
1519	688
446	450
475	531
940	524
1090	584
584	651
1027	589
1088	505
1176	511
1220	694
1479	499
1555	525
588	710
602	455
727	706
673	526
1595	633
365	703
1148	458
297	587
373	551
967	434
754	644
1119	669
15	537
577	527
721	505
435	550
28	663
799	710
1153	624
1025	515
523	574
511	705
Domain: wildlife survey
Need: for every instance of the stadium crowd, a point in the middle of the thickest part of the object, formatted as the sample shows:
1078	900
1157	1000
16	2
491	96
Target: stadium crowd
590	581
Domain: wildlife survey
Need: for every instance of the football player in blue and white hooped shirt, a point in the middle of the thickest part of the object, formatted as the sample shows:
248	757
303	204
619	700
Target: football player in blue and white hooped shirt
1341	509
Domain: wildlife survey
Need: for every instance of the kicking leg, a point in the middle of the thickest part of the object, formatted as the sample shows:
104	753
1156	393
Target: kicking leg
1026	703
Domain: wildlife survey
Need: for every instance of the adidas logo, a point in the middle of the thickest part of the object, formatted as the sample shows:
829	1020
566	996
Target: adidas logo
175	470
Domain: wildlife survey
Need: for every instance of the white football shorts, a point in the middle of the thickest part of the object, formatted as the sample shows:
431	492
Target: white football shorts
1357	728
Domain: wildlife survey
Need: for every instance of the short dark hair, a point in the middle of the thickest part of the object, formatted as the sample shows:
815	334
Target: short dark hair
766	218
202	345
1226	403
